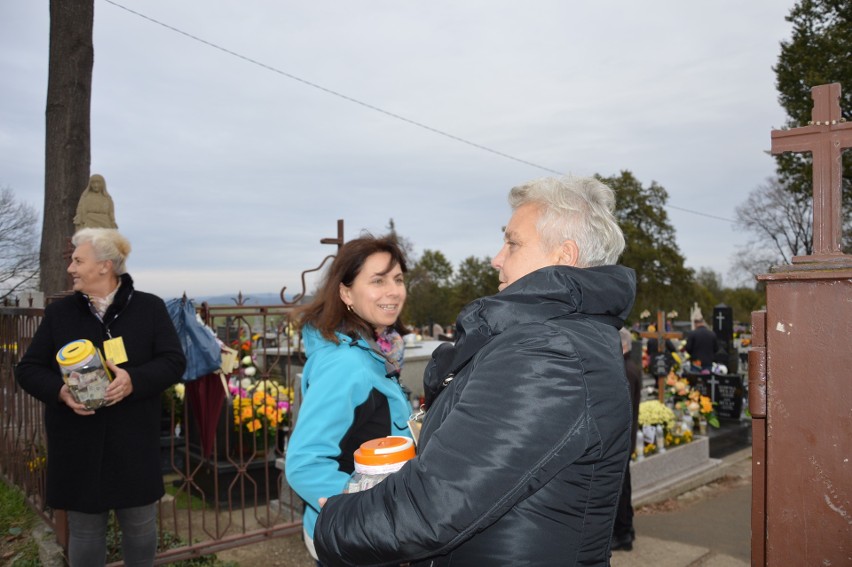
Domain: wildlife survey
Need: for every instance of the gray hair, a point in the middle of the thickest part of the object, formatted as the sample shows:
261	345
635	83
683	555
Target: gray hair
107	243
578	209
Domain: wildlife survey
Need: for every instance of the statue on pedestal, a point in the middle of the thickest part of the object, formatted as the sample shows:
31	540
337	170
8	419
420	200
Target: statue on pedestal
95	208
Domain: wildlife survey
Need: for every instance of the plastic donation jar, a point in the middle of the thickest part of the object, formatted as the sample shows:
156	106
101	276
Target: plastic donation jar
378	458
84	372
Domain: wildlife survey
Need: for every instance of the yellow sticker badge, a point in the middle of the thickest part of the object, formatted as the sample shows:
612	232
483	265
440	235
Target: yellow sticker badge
114	350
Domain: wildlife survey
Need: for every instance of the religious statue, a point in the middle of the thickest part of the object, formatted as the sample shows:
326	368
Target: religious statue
95	208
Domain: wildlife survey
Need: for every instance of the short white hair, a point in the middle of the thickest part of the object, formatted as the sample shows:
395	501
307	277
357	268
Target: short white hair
574	208
107	243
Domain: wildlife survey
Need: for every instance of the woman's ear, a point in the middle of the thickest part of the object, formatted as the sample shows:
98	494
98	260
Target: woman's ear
345	294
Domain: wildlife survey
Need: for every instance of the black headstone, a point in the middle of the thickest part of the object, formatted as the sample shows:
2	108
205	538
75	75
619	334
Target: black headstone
724	389
723	326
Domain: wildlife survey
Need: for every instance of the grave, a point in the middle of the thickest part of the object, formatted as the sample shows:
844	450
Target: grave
727	391
677	465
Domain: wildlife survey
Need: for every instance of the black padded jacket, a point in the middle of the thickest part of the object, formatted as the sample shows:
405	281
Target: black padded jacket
522	453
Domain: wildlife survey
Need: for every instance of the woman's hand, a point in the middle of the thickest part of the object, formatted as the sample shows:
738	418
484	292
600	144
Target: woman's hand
121	385
66	398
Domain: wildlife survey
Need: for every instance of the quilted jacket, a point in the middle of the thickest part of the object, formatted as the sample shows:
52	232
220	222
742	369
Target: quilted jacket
523	450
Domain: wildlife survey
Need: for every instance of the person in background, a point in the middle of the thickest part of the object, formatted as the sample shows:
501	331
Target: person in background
350	385
623	533
702	345
526	438
109	458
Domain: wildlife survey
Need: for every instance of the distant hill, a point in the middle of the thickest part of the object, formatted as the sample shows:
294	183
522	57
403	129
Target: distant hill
248	299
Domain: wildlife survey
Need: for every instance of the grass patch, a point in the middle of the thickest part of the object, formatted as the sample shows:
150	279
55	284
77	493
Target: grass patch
17	547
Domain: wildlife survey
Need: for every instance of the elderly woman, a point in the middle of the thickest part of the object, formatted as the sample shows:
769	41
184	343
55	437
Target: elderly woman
105	459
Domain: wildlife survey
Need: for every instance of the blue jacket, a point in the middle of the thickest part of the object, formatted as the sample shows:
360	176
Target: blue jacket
522	454
347	399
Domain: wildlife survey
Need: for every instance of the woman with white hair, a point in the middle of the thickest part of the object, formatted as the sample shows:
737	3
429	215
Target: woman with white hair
107	458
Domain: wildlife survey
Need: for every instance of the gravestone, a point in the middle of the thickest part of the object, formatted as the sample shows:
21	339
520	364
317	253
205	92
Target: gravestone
724	390
723	326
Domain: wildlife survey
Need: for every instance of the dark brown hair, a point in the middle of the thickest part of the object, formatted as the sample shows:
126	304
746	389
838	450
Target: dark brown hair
327	312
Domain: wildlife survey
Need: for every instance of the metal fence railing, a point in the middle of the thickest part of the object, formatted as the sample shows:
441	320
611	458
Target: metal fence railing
226	493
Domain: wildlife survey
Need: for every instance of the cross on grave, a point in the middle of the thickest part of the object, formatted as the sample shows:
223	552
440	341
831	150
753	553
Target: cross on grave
713	382
825	137
661	335
720	318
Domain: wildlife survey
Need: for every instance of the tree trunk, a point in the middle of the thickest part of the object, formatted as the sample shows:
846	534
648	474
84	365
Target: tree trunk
67	139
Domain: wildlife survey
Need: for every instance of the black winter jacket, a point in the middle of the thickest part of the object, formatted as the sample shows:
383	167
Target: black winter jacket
110	459
522	454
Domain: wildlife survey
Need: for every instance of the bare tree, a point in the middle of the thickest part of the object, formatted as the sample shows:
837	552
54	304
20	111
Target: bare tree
67	136
18	245
781	226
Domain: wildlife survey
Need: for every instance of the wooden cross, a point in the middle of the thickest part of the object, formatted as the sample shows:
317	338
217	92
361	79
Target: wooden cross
826	136
661	335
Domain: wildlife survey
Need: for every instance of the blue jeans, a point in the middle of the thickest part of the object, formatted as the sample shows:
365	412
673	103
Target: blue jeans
87	536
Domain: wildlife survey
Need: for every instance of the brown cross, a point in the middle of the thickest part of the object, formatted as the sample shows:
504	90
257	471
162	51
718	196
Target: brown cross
825	138
661	335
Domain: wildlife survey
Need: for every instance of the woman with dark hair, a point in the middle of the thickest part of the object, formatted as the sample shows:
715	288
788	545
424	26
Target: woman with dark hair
350	385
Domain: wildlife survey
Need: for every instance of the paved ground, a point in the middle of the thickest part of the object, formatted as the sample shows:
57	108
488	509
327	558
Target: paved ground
709	526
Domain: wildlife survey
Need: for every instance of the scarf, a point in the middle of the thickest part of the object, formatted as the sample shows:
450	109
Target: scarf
390	346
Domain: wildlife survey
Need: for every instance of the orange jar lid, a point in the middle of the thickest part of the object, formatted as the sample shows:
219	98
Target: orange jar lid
385	451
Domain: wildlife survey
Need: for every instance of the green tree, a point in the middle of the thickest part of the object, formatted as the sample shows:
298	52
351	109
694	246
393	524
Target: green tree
744	300
819	52
429	293
475	278
663	282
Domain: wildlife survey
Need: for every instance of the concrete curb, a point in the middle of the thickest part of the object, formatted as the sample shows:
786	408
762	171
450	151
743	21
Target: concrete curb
676	487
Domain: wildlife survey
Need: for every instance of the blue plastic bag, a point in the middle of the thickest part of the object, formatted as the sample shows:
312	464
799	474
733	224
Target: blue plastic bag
199	345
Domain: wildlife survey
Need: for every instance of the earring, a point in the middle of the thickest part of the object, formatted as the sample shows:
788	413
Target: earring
349	308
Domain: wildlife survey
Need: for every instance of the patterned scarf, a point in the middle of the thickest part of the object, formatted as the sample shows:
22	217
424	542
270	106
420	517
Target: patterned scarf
392	348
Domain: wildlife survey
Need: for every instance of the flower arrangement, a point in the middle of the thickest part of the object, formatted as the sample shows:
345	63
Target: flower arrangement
260	407
653	412
689	400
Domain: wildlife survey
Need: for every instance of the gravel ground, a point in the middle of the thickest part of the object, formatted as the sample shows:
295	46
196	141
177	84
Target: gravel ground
288	551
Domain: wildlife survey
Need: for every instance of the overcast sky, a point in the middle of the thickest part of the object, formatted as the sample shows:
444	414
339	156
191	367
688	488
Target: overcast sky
227	170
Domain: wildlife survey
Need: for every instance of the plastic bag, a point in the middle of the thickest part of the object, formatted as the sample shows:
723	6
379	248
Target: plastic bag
199	344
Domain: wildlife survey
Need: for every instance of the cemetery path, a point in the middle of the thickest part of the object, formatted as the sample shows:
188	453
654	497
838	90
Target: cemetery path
708	526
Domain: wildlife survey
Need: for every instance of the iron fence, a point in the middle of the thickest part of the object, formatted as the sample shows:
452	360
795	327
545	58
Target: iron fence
230	494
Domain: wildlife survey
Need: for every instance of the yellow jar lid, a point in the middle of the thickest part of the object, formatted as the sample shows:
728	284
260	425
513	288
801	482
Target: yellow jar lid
75	352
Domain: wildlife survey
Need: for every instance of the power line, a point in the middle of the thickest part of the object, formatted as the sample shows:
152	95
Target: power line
362	103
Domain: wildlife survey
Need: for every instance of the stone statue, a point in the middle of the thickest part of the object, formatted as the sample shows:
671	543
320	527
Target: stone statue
95	208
